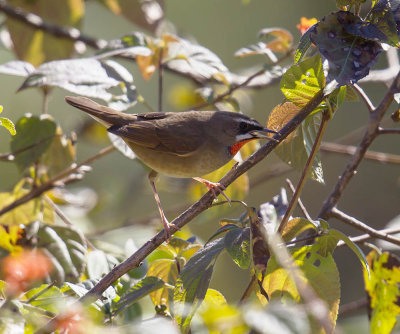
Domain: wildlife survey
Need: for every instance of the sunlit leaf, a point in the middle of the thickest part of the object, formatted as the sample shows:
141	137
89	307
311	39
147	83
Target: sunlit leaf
33	210
295	149
18	68
302	47
37	46
349	57
282	41
167	271
193	282
295	227
7	123
34	136
303	81
195	60
383	290
9	238
89	77
317	270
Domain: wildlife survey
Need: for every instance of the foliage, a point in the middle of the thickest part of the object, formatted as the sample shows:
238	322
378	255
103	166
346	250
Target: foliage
49	266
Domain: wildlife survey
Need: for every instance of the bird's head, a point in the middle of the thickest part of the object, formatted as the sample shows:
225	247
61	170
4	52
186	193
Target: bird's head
234	130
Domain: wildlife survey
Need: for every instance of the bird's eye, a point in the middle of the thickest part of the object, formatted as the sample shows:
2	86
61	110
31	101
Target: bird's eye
243	126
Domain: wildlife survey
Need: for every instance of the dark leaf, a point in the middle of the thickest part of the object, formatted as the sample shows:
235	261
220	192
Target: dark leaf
138	291
193	282
237	244
67	250
349	57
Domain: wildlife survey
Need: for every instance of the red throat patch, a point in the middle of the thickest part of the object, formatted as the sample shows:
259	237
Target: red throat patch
236	147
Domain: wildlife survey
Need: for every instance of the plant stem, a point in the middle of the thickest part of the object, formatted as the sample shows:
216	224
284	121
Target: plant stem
306	171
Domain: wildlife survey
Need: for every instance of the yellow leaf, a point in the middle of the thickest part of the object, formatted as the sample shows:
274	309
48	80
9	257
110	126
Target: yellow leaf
383	290
9	239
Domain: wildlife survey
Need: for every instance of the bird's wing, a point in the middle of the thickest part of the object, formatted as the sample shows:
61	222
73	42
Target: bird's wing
162	132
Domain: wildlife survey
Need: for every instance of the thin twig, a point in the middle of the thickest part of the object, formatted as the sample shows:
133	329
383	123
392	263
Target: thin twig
249	289
336	213
364	97
347	309
306	170
41	292
299	201
369	155
231	89
364	237
370	134
388	131
37	191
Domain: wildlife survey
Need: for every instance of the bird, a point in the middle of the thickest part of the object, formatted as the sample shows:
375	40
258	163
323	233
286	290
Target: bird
185	144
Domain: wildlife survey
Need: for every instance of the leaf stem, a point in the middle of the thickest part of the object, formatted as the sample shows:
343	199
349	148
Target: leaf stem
306	170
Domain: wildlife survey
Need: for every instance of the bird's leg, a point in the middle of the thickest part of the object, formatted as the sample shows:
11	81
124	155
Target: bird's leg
167	224
214	187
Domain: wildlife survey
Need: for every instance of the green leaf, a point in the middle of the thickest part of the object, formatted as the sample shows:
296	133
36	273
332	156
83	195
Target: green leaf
193	282
7	123
167	271
97	264
223	229
60	155
295	227
317	270
382	286
48	300
349	57
357	250
237	244
138	291
34	136
303	81
66	248
295	149
304	45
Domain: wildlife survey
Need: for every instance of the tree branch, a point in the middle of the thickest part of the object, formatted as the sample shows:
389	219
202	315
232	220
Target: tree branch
369	155
336	213
370	134
37	22
54	182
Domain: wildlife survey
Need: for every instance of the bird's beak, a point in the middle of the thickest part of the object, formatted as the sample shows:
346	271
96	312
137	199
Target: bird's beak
263	133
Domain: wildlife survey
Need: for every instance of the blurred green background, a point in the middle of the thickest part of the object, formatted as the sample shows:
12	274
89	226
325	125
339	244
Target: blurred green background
123	193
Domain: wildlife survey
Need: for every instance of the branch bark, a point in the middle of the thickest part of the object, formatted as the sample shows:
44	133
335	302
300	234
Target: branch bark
370	134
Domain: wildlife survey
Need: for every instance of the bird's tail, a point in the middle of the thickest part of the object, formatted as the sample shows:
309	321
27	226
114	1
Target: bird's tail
105	115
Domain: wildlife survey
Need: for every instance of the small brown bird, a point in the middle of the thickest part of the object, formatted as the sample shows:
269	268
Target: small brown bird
181	144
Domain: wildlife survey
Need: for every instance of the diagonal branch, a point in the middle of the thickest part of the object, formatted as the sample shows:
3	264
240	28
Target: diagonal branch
370	134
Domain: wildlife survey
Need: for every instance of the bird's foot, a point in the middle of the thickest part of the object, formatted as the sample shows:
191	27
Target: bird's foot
167	227
215	187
